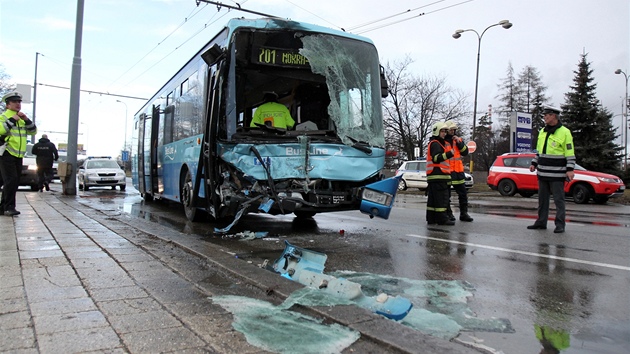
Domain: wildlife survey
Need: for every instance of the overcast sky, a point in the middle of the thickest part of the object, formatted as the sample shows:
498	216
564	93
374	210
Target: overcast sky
131	48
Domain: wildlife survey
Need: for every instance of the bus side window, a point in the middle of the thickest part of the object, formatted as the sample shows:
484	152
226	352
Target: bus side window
169	122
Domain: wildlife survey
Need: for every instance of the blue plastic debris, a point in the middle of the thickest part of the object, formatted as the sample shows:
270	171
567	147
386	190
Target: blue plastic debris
306	267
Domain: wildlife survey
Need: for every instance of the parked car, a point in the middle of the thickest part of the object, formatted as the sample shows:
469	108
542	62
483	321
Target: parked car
29	169
510	174
414	175
101	172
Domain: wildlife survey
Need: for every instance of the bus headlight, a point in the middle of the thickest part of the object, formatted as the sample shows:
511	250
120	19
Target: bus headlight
377	197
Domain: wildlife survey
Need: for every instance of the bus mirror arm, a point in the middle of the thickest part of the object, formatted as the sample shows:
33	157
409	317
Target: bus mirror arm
213	55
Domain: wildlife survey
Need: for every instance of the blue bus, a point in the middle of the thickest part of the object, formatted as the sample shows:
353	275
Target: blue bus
193	142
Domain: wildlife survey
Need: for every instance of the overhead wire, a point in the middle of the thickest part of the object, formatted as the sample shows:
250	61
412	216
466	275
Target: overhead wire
192	14
413	17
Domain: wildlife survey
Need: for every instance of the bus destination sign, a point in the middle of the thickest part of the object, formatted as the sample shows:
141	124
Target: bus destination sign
278	57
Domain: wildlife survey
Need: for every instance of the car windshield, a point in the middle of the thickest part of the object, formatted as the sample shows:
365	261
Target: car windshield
102	164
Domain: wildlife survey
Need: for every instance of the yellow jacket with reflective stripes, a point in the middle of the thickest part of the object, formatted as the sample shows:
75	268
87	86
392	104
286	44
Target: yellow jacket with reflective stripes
15	132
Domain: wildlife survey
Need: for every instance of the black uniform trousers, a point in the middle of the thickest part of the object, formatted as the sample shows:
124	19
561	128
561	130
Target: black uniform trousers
437	201
11	169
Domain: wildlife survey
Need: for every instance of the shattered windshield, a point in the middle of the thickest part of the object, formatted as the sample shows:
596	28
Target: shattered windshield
330	85
352	78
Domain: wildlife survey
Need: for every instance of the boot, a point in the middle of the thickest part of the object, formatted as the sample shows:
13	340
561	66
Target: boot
449	214
463	213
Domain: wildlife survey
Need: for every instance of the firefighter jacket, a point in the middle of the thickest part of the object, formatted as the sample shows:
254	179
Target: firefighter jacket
438	166
457	166
555	153
15	132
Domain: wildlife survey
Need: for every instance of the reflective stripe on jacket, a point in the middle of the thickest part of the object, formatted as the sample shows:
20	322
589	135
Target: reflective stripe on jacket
457	166
438	167
556	153
16	132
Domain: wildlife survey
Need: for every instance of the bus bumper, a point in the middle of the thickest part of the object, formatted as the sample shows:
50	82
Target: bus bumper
377	199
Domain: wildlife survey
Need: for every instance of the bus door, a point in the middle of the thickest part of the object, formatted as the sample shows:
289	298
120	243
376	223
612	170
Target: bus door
142	140
151	168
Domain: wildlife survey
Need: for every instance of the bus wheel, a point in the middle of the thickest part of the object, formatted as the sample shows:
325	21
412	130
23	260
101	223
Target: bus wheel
192	213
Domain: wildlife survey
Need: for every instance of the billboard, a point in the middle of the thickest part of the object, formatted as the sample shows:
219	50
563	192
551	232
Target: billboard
521	132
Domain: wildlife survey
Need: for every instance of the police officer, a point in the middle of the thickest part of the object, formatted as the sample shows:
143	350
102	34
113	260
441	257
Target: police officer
14	129
458	177
438	176
554	160
272	113
46	153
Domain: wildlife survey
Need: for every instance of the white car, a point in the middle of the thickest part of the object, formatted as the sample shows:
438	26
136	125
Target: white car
101	172
414	175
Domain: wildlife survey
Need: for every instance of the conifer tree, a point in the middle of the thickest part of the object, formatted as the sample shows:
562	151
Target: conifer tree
590	124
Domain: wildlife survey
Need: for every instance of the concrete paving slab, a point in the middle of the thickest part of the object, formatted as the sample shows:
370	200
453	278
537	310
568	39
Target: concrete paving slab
81	340
69	322
64	306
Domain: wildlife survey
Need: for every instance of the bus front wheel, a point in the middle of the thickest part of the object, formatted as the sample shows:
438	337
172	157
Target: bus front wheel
192	213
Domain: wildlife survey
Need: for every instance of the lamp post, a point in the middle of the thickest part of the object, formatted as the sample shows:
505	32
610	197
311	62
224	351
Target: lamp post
458	33
624	126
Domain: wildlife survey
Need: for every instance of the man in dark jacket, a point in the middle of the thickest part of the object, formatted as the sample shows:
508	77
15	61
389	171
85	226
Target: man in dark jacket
46	153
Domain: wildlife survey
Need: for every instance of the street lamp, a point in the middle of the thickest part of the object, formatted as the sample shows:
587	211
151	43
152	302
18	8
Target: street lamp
125	148
458	33
625	122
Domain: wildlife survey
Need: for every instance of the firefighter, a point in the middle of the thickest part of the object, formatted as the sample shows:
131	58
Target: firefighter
438	176
458	178
14	129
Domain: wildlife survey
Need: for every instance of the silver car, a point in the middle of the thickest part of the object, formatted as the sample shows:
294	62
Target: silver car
101	172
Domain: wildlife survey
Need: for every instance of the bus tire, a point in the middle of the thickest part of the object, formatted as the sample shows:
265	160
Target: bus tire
192	213
304	214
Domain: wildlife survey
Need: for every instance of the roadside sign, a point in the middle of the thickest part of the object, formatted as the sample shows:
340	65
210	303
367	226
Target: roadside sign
472	146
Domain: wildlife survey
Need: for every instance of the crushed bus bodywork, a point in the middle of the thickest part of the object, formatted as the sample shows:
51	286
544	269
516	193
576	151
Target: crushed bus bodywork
197	143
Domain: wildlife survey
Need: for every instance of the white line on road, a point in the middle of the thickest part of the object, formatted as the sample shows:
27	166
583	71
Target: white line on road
613	266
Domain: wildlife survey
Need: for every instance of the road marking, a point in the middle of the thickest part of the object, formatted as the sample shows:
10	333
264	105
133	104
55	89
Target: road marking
613	266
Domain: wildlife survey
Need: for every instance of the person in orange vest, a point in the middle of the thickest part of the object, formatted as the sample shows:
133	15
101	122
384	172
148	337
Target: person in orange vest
438	176
458	178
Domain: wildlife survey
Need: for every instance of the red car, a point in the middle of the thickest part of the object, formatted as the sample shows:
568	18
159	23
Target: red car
510	174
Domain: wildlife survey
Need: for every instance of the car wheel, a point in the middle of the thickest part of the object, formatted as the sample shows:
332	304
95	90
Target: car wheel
581	194
192	213
402	186
526	194
86	187
122	187
507	187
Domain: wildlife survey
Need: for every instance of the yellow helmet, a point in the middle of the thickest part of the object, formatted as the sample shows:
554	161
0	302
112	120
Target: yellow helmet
450	124
437	127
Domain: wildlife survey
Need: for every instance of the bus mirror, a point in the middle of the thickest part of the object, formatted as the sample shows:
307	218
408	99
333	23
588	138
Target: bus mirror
212	55
384	84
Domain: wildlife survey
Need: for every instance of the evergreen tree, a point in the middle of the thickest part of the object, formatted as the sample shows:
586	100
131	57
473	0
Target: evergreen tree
590	124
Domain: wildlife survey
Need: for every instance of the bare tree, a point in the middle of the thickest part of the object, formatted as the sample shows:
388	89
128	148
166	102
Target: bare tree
414	104
5	84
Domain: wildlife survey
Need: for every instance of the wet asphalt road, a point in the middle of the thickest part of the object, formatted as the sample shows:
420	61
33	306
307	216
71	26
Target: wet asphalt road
574	284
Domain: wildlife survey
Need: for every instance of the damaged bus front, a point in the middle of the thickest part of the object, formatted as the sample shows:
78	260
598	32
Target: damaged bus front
196	142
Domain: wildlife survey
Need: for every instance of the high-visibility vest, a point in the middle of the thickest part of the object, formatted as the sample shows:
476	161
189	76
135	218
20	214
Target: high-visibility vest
456	162
16	133
444	166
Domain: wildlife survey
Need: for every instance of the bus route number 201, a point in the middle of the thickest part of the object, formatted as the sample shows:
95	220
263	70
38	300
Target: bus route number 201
267	56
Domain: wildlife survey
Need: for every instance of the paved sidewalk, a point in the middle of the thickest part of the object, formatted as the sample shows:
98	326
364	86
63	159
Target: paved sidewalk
70	284
74	279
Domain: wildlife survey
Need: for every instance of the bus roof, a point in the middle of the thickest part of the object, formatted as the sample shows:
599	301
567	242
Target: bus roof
278	23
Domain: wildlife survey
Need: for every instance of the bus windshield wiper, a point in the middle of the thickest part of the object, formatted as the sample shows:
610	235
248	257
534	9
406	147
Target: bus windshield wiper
361	145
